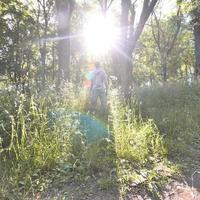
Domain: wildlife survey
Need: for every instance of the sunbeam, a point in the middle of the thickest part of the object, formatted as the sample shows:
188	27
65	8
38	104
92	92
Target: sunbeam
100	35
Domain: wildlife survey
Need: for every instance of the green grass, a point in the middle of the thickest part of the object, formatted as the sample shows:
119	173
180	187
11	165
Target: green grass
175	110
32	148
161	124
36	150
139	148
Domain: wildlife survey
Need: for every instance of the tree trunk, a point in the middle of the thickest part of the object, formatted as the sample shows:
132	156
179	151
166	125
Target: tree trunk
44	45
128	79
64	11
43	52
163	60
164	72
197	48
122	65
53	62
122	57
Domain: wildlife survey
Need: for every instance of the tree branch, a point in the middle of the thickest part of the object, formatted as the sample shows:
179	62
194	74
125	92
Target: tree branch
177	31
105	5
157	39
110	3
147	9
132	19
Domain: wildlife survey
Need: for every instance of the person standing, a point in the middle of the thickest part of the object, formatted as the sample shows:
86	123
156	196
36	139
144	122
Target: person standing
98	89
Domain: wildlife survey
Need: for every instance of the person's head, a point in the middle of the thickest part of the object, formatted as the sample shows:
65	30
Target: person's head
97	64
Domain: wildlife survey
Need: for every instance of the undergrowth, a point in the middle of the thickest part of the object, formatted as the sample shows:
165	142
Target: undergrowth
141	154
39	152
31	147
175	110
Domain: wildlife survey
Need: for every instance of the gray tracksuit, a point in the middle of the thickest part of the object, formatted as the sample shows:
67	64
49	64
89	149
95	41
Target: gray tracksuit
98	88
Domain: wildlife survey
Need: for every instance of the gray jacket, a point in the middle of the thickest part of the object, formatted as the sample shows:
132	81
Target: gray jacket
99	79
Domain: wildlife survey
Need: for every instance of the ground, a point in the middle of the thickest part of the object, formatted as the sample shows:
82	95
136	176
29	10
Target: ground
182	189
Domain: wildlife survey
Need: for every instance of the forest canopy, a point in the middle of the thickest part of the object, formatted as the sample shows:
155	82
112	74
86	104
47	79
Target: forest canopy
50	41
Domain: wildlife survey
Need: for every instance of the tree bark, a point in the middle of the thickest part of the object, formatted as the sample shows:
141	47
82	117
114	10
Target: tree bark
197	48
53	62
43	53
164	71
121	54
64	12
122	65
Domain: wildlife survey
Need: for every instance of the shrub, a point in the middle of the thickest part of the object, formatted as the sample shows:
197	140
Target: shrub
139	148
34	148
175	110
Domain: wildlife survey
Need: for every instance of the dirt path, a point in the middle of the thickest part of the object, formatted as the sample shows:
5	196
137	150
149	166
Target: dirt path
70	191
178	191
75	191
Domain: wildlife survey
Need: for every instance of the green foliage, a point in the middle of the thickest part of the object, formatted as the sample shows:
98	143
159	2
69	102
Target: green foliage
33	149
17	25
39	151
139	148
160	123
191	7
149	58
134	138
174	108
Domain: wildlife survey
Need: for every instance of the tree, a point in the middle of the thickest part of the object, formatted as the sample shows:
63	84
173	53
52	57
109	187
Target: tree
17	30
64	12
196	29
192	7
105	5
147	58
44	12
165	39
130	34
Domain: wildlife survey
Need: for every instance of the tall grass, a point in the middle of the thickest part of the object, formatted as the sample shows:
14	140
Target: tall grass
135	139
139	148
37	149
33	146
175	110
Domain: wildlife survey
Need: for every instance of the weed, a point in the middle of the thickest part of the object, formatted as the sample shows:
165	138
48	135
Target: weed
139	148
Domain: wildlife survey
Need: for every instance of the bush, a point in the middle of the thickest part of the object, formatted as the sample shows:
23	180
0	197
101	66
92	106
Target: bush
38	149
175	110
139	148
33	146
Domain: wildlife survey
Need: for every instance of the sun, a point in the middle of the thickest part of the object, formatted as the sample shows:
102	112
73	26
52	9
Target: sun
100	35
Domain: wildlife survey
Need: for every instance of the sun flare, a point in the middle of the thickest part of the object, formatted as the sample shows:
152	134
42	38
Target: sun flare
100	35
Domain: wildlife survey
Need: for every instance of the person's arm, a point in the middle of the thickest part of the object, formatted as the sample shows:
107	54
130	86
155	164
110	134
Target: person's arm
91	86
92	80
